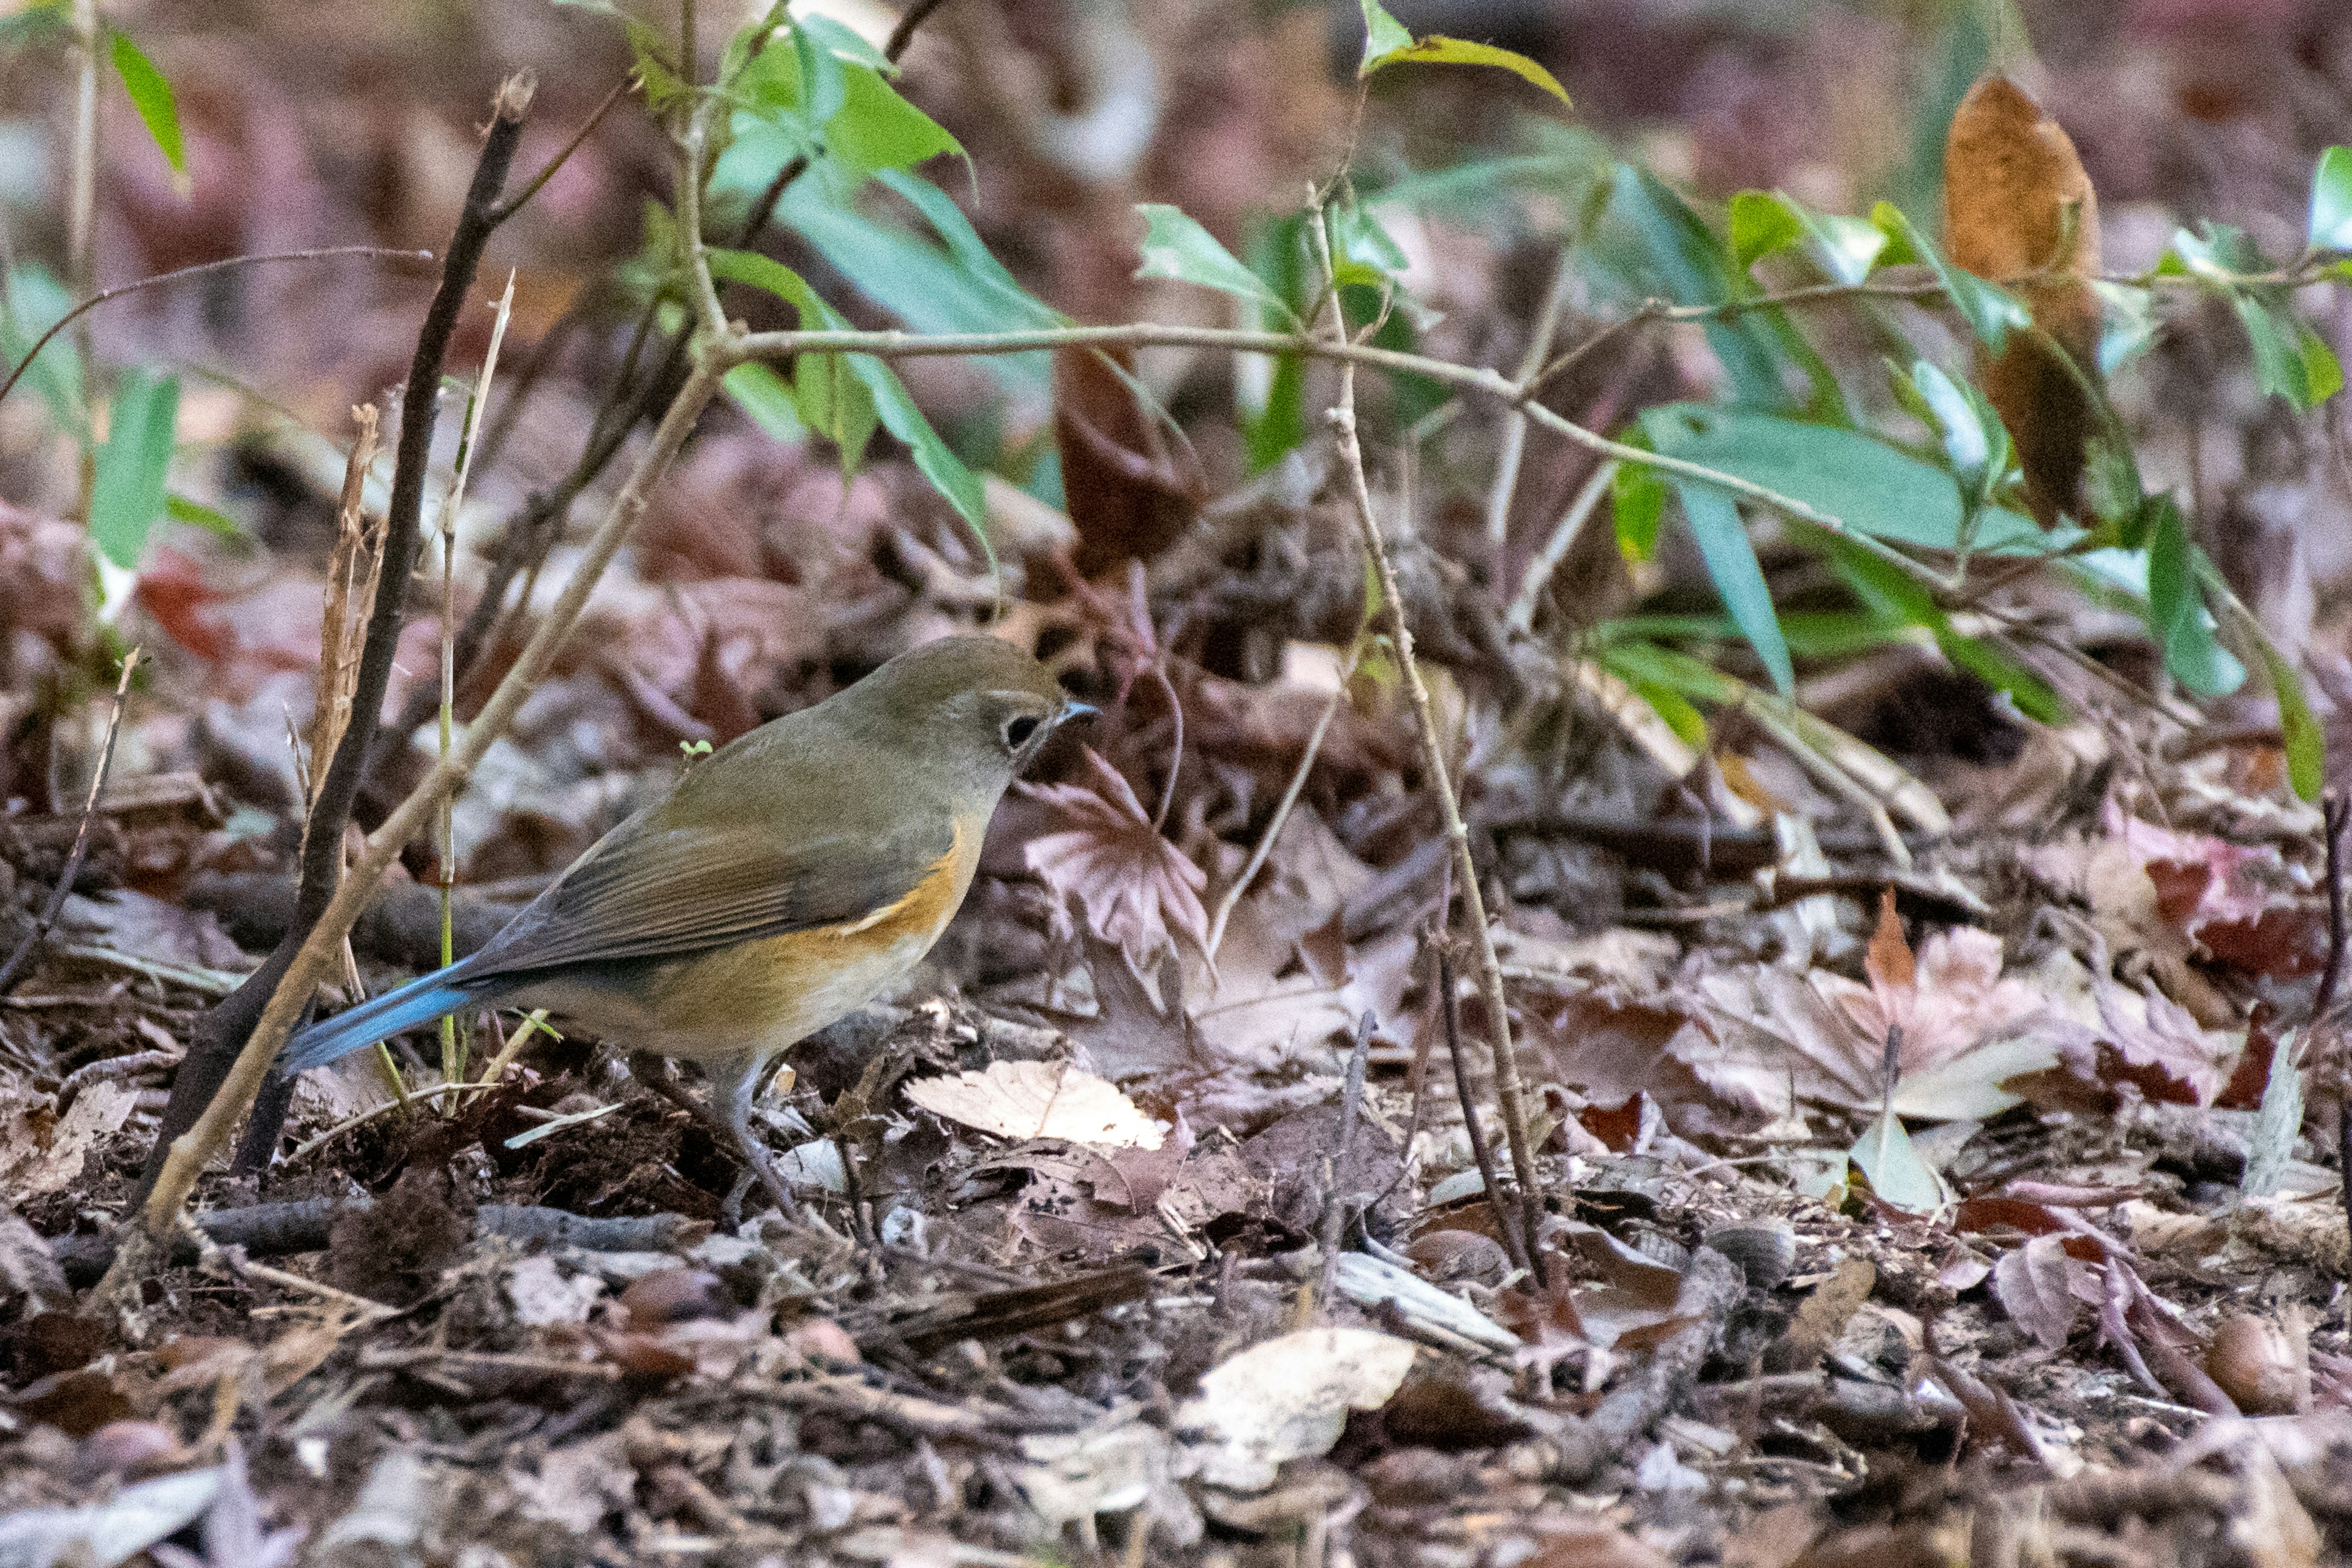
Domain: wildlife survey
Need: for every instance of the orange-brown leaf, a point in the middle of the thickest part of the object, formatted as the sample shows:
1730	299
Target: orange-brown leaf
2020	210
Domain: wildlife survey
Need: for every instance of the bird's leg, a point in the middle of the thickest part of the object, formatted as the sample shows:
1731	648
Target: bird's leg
732	1078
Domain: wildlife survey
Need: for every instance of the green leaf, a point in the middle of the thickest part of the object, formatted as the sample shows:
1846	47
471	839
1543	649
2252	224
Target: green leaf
2331	200
1885	1154
764	272
1016	305
875	129
1847	247
1436	49
1278	426
946	471
1730	558
1989	311
835	403
1680	260
2176	611
1637	498
1383	36
179	509
2291	359
1901	600
1961	425
127	493
767	399
824	92
844	40
1761	222
31	303
1863	483
1176	246
2306	743
1684	719
150	95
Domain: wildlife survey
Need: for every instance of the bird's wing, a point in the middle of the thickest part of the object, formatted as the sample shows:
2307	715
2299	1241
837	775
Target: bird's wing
658	892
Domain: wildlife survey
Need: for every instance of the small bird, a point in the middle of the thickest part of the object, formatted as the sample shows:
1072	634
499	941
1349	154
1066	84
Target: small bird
787	878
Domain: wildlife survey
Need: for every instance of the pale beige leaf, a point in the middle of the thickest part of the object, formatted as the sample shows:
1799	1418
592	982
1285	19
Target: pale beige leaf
1039	1099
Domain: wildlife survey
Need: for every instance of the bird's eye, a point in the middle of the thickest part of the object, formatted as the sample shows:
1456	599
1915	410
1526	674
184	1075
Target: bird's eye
1018	730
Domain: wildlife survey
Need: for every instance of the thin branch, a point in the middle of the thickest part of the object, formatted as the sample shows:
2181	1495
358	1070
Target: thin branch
195	1089
1515	426
1507	1086
517	202
200	270
194	1150
1564	535
1335	1203
33	939
1265	846
1507	1224
904	33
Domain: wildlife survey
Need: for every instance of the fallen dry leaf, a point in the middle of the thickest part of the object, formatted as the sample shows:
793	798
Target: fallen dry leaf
1133	884
1287	1399
1966	1029
1039	1099
2019	210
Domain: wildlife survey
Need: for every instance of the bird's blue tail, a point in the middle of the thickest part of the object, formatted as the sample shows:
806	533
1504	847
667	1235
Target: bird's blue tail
421	1001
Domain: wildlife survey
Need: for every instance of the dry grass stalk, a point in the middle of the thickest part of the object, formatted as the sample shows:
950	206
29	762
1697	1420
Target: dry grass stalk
353	572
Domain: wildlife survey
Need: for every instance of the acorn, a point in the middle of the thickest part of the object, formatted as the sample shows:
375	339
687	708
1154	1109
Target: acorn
2266	1368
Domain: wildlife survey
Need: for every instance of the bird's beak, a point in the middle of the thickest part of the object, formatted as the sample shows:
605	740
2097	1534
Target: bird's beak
1074	711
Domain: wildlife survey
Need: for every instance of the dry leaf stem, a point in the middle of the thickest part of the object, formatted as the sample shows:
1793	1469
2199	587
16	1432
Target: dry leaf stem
1507	1086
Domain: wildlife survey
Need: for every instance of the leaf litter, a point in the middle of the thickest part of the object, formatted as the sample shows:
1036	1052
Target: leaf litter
1877	1233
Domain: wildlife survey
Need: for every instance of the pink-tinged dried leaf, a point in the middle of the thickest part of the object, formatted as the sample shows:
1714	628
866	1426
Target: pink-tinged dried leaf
2183	892
2035	1287
1134	885
2157	1046
1773	1039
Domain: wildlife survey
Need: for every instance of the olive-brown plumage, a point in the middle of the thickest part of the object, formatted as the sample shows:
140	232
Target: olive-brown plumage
785	880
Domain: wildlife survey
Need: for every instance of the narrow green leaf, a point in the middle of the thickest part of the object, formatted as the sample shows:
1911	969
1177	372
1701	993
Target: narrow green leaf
1176	246
1272	431
940	465
1730	558
2290	361
127	493
1682	259
2323	372
1436	49
767	399
1637	498
30	304
2306	743
150	95
1684	719
2331	200
1383	34
195	513
835	403
824	91
2176	611
765	272
1863	483
1989	311
1761	222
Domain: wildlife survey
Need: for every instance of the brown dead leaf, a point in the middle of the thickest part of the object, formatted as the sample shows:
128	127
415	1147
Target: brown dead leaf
1133	884
1124	494
2035	1284
2019	210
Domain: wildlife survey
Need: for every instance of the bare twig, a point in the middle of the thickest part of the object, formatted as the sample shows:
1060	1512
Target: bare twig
1564	535
33	939
515	203
215	1047
1515	424
202	268
2334	811
1449	1002
1507	1087
1335	1201
1265	846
